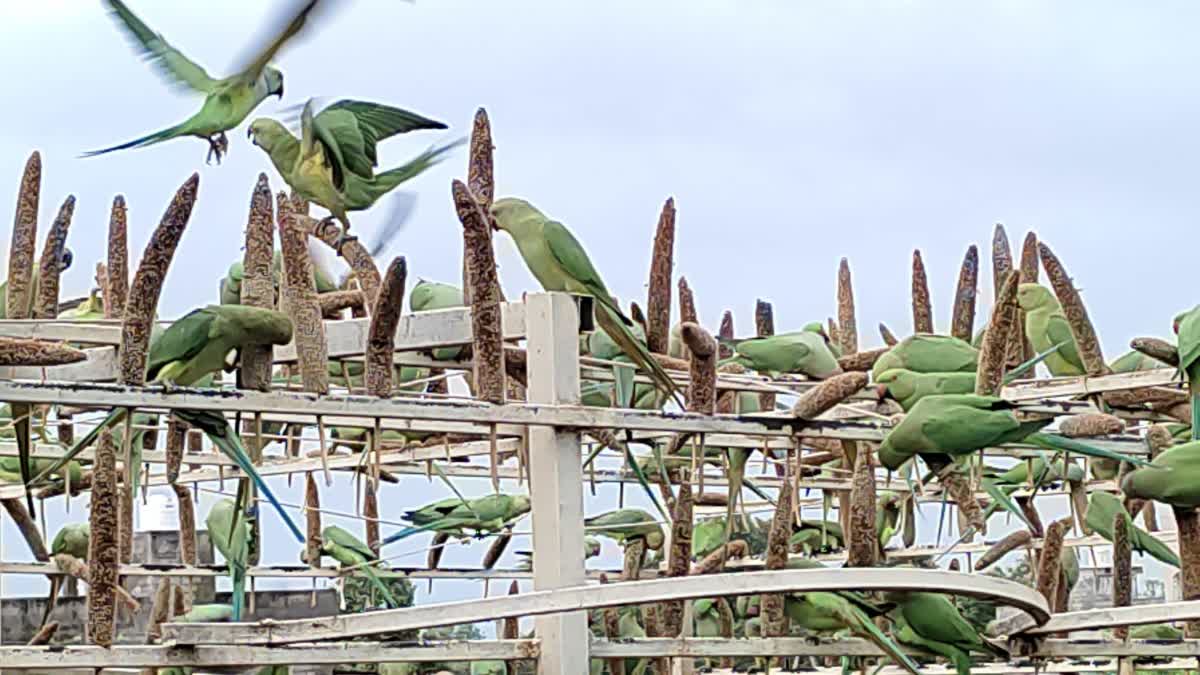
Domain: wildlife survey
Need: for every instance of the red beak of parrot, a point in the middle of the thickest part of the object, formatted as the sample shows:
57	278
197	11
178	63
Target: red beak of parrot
881	393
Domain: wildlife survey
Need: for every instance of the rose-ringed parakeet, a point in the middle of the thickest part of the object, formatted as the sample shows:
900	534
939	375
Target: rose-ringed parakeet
907	387
624	525
1102	511
959	424
350	551
928	353
1046	326
1187	339
931	621
429	296
210	613
91	309
454	516
803	352
559	262
227	101
826	612
72	539
194	347
1171	478
228	531
333	162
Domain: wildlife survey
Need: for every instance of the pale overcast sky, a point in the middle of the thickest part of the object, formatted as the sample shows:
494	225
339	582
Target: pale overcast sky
790	134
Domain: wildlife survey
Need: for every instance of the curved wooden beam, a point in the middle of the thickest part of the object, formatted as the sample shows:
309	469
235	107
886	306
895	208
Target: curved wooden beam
578	598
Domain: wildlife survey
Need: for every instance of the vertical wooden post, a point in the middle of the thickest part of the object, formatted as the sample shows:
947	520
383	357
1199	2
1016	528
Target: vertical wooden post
556	479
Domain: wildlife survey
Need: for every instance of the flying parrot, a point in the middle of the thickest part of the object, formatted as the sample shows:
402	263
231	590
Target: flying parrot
906	387
194	347
959	424
228	532
1046	326
560	263
226	101
932	622
333	163
350	551
927	353
825	612
1187	340
623	525
1102	511
482	515
803	352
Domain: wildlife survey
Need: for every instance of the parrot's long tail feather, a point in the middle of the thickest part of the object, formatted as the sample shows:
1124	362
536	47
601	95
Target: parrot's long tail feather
237	573
611	319
870	631
1194	388
81	445
407	532
381	587
222	435
1148	543
644	481
1056	442
20	415
386	181
150	139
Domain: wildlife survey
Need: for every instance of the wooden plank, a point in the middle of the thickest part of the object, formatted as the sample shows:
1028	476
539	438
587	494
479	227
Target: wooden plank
556	480
609	595
1105	617
94	333
1031	390
159	656
424	330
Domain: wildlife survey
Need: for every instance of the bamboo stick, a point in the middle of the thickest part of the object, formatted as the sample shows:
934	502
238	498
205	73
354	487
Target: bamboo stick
371	516
1050	562
381	335
103	544
1029	275
687	303
1002	259
990	373
862	544
298	299
312	521
258	283
1122	566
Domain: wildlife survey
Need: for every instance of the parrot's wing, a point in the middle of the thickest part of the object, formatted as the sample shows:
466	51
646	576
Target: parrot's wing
860	624
961	427
1059	332
360	125
284	28
177	68
181	341
343	538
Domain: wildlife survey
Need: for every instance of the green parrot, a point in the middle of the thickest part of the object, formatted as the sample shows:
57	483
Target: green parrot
428	296
819	328
811	536
1134	360
1169	479
1187	340
72	539
1155	631
928	353
194	347
559	263
231	283
895	513
10	470
350	551
1046	326
826	612
931	621
959	424
482	515
211	613
622	525
1102	510
907	387
489	668
801	352
708	535
1019	474
227	101
228	532
333	163
91	309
